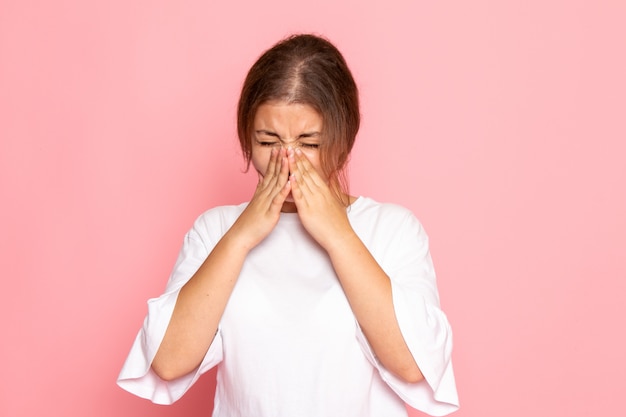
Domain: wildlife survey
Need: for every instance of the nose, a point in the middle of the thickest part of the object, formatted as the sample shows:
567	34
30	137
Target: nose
289	145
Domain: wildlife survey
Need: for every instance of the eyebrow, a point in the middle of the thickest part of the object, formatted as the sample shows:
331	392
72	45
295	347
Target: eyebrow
304	135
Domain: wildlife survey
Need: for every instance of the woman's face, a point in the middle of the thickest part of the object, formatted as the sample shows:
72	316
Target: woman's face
290	125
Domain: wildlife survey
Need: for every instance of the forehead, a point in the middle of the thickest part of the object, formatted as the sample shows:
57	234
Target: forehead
284	115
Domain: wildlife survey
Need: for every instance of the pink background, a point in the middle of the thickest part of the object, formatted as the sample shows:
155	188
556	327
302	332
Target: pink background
501	124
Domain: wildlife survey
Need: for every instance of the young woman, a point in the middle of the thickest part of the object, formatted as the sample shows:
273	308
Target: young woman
310	301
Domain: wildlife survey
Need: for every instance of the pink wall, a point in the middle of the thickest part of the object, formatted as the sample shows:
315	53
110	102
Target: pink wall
501	124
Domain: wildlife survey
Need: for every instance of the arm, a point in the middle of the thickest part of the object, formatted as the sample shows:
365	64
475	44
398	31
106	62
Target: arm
368	290
365	284
202	300
198	309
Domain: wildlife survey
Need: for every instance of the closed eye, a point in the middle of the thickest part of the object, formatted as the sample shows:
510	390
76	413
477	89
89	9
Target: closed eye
311	145
263	143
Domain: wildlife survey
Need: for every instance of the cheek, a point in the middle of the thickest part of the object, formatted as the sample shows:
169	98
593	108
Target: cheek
260	161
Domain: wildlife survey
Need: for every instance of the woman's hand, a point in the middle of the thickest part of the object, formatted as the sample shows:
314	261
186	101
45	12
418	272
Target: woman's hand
262	213
366	285
202	300
322	214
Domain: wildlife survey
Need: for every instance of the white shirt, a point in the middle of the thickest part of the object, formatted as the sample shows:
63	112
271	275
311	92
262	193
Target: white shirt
288	343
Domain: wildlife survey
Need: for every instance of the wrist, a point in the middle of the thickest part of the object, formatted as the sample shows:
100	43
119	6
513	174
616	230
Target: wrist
342	241
238	242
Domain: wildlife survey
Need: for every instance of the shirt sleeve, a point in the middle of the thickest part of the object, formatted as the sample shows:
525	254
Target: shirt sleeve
423	324
137	375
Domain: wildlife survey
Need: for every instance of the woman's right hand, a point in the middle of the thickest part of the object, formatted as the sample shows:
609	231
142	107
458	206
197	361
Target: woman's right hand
196	317
262	213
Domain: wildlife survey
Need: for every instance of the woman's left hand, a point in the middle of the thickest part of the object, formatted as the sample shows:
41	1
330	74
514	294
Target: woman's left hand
322	214
366	285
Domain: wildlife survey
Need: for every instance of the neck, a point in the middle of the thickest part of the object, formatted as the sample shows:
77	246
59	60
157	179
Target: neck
289	207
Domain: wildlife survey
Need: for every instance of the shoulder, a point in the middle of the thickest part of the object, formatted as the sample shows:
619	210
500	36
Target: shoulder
374	219
391	232
222	213
213	223
366	209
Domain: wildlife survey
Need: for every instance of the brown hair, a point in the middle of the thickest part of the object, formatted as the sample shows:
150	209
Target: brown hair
306	69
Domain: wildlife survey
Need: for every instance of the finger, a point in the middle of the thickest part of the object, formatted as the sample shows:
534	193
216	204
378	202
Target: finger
278	166
299	186
279	198
283	172
277	172
298	175
296	190
268	177
280	175
307	169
